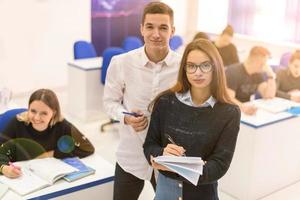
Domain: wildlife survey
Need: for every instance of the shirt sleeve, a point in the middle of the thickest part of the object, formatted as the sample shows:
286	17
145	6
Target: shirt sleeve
232	81
113	90
153	145
219	161
82	147
7	143
279	80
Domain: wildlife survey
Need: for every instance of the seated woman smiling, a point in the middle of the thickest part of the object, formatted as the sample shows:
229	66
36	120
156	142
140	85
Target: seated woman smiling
40	132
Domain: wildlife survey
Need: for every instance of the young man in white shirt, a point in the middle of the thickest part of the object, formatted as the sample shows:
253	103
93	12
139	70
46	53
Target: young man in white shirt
133	80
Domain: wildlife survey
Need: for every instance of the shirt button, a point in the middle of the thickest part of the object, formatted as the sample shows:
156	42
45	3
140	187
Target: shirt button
180	198
180	185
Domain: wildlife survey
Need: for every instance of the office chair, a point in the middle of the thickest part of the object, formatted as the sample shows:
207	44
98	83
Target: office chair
175	42
108	53
131	42
84	49
284	59
6	117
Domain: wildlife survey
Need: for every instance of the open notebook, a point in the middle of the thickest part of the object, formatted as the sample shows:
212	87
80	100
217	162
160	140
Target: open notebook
188	167
37	174
275	105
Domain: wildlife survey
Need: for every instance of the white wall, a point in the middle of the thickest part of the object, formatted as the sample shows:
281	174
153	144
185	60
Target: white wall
36	41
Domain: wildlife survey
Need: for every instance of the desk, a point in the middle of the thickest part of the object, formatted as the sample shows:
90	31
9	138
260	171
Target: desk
85	90
98	185
266	159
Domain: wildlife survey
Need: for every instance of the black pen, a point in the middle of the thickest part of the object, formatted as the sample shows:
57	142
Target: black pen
172	141
132	114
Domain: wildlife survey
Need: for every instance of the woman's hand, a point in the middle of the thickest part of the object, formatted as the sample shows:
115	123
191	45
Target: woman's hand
158	166
173	149
11	171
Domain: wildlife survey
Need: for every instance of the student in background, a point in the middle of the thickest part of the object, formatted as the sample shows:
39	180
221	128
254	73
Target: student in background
226	48
246	79
288	80
201	35
40	132
198	115
133	80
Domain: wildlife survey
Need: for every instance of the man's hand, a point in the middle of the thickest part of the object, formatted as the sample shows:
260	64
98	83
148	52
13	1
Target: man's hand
248	109
137	123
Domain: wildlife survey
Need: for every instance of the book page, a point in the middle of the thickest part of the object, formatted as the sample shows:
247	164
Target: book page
275	105
28	182
50	169
179	159
191	175
263	117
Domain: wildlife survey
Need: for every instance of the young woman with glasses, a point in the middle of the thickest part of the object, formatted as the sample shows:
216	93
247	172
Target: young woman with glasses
201	120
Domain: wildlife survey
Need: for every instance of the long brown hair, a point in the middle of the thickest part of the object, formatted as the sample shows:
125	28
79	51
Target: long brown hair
49	98
218	85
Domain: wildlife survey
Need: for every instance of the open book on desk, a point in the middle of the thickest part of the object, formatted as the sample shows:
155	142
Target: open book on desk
83	170
263	118
275	105
37	174
188	167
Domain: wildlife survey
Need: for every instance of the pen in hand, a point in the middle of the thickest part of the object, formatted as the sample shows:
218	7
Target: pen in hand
132	114
172	141
14	166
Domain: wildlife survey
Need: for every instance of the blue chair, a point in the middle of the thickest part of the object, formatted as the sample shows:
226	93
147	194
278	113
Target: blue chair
108	53
131	43
84	49
175	42
6	117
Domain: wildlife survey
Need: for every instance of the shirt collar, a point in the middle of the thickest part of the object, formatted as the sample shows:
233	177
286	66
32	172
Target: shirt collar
186	97
167	60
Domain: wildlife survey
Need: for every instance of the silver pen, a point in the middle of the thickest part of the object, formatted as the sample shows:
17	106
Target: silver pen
172	141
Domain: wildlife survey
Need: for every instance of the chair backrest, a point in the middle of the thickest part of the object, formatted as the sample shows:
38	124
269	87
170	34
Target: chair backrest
108	53
6	117
84	49
175	42
284	60
131	43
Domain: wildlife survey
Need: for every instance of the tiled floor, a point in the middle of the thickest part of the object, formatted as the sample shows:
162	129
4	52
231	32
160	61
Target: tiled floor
107	142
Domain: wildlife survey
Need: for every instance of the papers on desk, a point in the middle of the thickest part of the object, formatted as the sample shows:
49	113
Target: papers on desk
188	167
262	118
275	105
37	174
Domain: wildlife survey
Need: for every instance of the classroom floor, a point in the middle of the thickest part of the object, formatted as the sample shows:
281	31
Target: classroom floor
106	144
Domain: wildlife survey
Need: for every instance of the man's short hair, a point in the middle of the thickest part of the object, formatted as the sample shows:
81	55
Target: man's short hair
158	8
259	51
228	30
295	56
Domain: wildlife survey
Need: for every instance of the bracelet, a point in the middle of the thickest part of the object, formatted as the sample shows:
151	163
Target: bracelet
1	168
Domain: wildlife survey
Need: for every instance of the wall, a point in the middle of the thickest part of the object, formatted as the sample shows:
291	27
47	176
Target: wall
36	41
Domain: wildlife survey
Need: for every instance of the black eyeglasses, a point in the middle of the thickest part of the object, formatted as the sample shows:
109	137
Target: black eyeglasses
205	67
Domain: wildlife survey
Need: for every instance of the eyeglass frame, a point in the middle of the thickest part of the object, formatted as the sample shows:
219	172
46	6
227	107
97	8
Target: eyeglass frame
200	67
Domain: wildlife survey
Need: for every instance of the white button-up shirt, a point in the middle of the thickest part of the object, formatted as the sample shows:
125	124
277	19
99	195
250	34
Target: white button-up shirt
132	82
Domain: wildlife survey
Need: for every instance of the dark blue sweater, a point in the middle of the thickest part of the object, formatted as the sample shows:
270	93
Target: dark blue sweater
207	132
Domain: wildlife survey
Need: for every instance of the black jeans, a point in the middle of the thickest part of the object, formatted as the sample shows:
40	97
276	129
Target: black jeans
128	186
